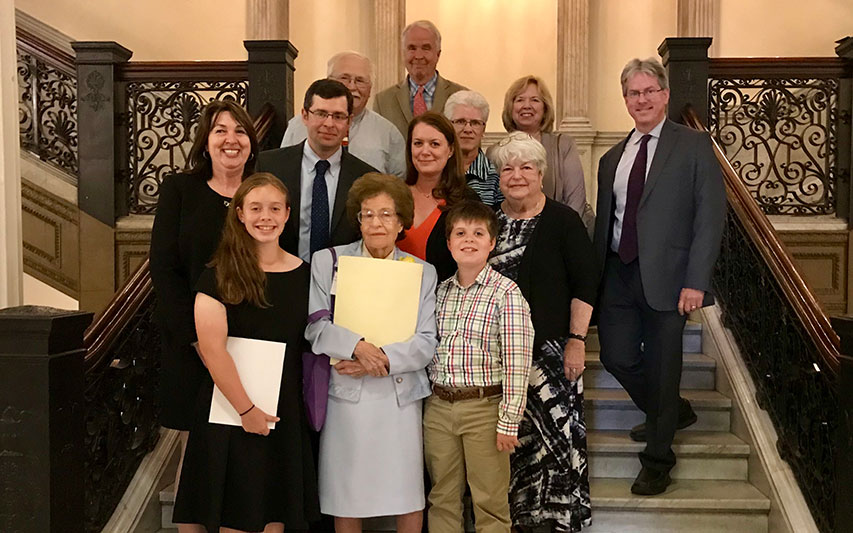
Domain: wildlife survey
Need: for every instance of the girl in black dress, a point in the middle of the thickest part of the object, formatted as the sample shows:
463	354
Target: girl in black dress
187	229
250	478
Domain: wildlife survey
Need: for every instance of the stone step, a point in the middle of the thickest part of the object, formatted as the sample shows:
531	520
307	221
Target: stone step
698	372
692	339
612	409
701	455
697	506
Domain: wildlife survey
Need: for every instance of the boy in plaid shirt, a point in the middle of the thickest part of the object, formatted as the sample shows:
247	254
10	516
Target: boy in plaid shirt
479	376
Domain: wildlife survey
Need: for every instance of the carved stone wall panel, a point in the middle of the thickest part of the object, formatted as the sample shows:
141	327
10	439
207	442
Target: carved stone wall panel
822	258
51	236
133	239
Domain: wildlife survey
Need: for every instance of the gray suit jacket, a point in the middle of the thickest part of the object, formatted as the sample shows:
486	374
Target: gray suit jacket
407	359
394	103
680	218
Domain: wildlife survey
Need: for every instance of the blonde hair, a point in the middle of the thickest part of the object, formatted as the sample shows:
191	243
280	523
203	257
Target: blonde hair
518	87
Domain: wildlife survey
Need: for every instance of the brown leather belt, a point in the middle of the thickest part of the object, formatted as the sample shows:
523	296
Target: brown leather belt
457	394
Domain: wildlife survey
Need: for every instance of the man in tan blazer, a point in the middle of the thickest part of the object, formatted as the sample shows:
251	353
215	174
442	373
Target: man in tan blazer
423	89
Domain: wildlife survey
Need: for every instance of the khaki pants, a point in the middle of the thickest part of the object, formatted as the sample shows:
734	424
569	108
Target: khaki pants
459	444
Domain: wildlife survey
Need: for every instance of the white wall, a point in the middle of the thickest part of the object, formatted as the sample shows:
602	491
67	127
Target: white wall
38	293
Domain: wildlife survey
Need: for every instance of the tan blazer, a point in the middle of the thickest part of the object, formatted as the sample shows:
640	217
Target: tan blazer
394	103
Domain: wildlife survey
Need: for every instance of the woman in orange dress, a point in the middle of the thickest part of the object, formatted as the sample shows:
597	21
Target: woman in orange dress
434	175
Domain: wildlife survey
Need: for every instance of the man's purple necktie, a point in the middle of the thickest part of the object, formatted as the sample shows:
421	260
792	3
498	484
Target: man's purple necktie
628	249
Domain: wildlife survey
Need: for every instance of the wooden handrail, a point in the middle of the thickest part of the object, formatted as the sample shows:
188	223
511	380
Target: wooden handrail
780	67
774	253
227	71
57	57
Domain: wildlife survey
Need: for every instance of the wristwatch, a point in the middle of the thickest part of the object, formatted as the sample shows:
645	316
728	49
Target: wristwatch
577	336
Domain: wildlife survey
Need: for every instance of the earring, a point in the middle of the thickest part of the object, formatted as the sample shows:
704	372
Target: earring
251	156
205	155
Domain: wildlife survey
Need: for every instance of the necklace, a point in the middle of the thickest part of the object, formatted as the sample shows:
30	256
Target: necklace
424	194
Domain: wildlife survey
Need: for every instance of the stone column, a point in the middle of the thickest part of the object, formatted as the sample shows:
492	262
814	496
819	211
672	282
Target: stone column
699	18
572	98
267	20
389	21
11	263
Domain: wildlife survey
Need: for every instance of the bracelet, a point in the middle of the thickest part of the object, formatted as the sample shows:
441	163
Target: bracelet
247	410
578	336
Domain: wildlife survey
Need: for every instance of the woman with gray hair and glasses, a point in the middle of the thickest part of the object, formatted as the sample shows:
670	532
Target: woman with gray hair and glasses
543	246
468	111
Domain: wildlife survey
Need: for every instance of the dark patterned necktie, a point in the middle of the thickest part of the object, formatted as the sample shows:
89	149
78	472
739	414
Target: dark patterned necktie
628	247
319	208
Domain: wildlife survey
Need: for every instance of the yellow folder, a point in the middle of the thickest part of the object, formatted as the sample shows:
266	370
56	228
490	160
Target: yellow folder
378	298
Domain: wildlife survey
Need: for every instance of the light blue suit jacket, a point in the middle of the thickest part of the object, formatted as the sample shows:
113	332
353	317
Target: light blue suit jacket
407	359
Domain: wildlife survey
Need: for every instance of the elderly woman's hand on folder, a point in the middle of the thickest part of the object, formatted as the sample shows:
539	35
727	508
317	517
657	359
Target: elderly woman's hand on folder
374	360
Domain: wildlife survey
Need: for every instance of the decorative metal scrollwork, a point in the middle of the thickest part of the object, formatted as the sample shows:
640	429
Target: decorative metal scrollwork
122	416
163	117
47	112
780	135
800	397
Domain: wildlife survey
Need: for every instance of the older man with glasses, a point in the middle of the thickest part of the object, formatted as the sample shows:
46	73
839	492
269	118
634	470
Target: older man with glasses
468	111
371	138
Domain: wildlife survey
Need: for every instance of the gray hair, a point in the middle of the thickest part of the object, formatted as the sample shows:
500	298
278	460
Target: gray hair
470	98
650	66
519	146
424	25
330	64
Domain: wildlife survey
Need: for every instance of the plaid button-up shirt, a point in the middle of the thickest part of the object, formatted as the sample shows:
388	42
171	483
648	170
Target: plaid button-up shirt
485	338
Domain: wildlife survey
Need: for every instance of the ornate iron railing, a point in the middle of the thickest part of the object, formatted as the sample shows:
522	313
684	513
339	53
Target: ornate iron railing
786	340
779	121
164	101
47	102
122	407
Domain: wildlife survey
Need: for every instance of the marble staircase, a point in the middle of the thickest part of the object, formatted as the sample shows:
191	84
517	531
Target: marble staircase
710	492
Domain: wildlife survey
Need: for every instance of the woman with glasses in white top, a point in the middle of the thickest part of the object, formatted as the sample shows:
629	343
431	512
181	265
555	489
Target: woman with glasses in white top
371	445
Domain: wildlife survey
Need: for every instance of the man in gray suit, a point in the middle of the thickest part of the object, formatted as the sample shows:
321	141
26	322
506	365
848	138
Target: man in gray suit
661	208
423	89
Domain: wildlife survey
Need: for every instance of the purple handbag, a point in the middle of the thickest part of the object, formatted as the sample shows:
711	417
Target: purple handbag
316	370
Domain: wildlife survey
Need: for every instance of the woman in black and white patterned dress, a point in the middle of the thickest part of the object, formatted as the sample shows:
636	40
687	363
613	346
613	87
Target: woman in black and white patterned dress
543	246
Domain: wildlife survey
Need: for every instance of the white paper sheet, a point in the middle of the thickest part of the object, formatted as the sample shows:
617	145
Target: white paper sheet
259	365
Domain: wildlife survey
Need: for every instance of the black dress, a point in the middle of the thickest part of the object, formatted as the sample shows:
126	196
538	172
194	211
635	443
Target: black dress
186	232
244	481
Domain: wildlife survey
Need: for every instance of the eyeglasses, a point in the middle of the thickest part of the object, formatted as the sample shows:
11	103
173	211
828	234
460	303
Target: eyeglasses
385	216
323	115
515	136
633	95
346	79
461	123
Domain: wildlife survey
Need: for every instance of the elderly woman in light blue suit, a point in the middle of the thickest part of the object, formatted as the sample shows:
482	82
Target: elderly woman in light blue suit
371	446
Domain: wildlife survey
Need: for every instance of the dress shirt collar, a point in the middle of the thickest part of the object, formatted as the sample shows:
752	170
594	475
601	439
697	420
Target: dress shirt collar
636	136
310	157
481	279
429	87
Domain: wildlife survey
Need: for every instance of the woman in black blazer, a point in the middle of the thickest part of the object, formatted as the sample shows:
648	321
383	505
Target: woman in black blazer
543	246
187	228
